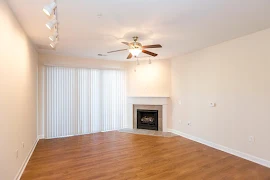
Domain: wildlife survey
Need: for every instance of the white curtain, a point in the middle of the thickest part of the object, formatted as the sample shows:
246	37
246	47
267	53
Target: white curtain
83	101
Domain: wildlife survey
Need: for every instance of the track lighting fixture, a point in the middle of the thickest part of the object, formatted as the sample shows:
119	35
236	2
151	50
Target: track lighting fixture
49	9
53	44
51	24
53	37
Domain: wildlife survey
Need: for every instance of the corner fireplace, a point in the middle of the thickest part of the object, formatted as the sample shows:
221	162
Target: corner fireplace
147	119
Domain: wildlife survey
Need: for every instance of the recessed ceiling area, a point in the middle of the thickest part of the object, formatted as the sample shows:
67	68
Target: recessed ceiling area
88	28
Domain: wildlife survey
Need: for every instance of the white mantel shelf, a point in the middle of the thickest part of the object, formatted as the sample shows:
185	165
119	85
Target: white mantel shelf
146	100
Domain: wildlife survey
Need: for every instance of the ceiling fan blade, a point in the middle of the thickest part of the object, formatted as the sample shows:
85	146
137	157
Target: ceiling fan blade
129	56
126	43
152	46
149	53
117	50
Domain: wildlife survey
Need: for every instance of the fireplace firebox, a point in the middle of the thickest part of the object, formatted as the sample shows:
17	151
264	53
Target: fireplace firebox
147	119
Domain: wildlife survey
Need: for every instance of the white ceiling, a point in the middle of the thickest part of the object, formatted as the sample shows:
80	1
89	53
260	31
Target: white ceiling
180	26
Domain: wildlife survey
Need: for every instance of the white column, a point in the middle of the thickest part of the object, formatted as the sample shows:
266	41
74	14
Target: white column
164	117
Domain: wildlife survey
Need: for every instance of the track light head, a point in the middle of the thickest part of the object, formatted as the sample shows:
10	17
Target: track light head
53	44
53	37
48	10
51	24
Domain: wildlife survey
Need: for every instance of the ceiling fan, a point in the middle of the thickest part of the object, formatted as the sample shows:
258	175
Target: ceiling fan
135	48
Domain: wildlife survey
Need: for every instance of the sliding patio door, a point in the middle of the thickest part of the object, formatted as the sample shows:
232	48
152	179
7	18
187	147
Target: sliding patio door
83	101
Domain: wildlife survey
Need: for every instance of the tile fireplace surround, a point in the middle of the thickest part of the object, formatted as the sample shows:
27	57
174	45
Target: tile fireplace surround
150	103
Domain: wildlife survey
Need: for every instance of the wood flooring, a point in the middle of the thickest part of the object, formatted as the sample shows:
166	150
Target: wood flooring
116	155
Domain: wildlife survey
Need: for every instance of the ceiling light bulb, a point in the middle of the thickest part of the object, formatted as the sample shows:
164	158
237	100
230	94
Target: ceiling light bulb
53	37
51	24
135	52
53	44
48	10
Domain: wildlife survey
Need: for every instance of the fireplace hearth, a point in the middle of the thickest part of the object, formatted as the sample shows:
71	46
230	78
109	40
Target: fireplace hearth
147	119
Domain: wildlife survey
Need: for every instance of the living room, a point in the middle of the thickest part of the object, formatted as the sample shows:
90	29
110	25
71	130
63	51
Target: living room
134	89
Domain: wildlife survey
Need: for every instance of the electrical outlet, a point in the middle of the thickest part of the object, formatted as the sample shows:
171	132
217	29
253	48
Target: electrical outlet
251	139
179	102
180	121
189	123
212	104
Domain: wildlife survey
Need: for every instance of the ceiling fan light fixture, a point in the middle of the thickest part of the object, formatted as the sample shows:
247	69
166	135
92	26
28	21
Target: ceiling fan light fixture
135	52
48	9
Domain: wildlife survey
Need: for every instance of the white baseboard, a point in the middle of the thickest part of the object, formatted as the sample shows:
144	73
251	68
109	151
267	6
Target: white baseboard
246	156
40	136
19	174
43	137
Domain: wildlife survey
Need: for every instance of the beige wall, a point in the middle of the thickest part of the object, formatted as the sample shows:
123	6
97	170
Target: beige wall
236	76
18	94
149	79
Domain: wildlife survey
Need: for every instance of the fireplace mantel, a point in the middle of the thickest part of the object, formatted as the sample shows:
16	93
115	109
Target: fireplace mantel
146	100
148	96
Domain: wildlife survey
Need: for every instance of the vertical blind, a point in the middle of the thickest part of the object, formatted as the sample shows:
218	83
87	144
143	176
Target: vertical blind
83	101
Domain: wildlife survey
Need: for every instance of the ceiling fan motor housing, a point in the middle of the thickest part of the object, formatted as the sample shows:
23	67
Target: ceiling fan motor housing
135	45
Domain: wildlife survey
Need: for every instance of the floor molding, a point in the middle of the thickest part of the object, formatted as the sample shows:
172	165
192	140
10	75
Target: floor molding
43	137
240	154
19	174
40	136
